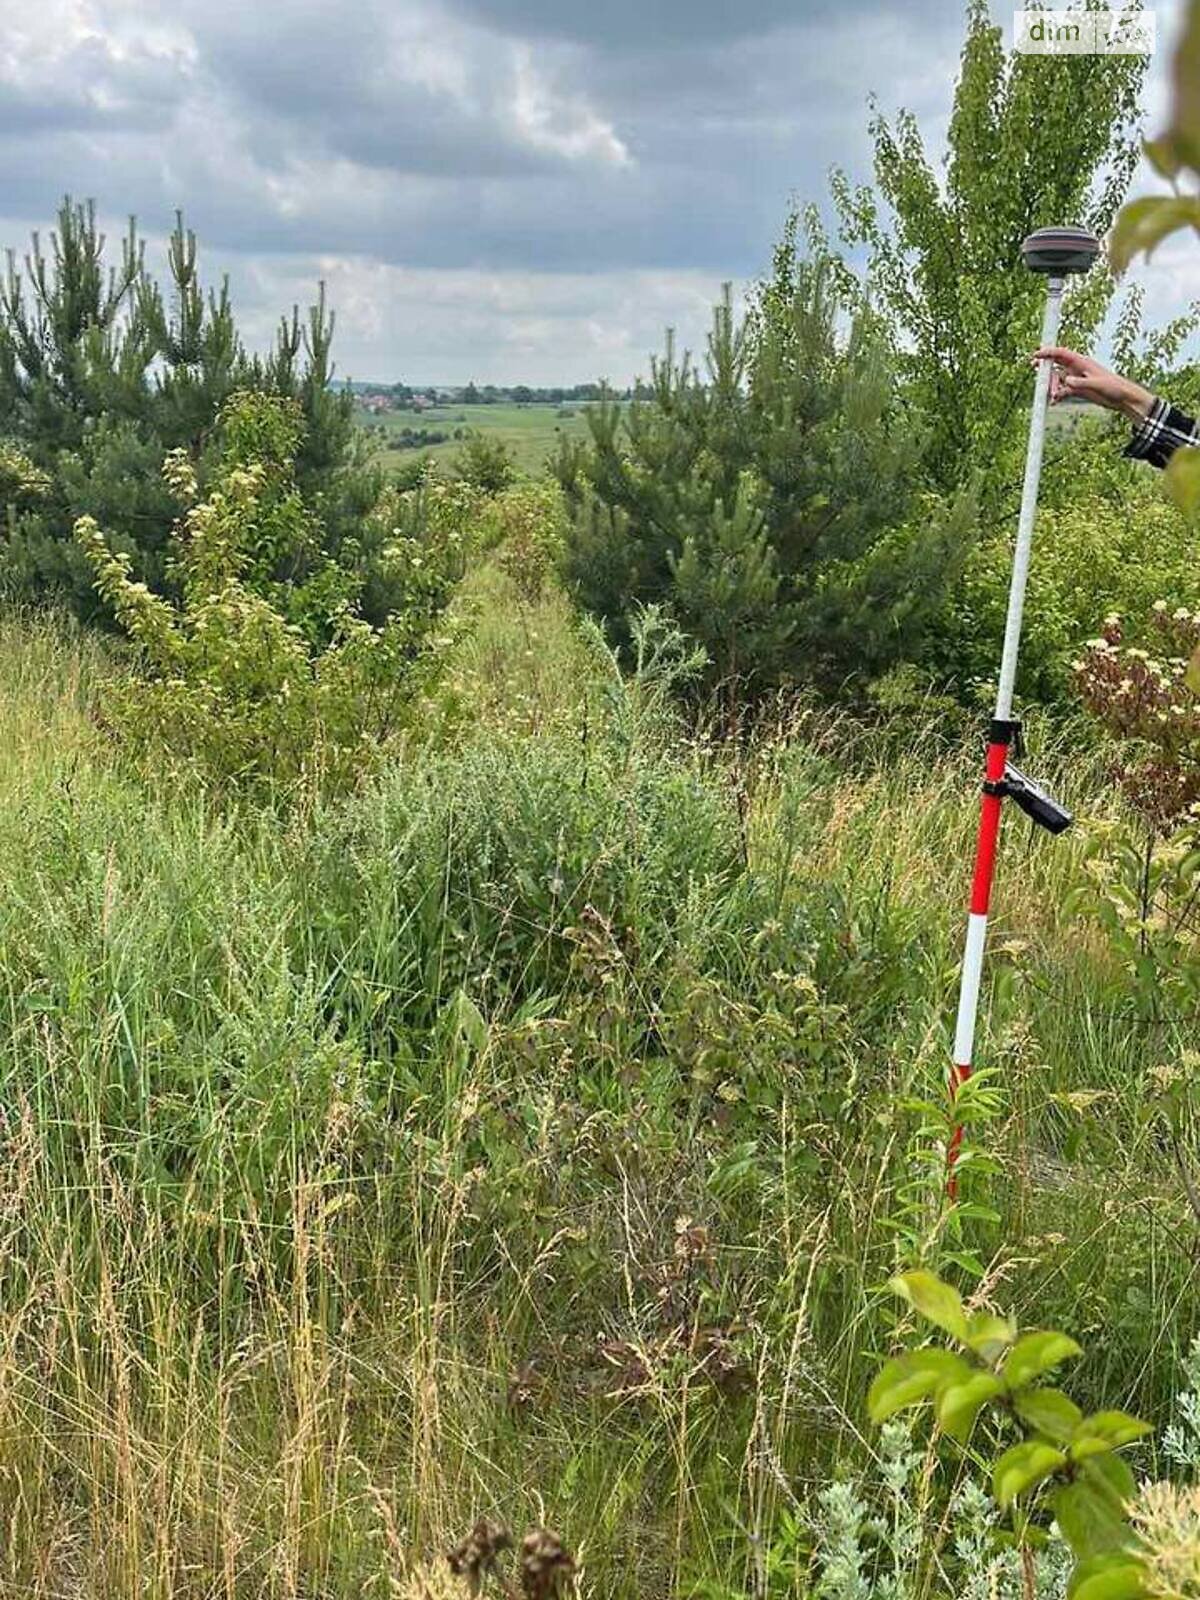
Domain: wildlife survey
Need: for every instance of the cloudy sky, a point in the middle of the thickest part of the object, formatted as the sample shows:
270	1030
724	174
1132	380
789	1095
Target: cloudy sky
504	190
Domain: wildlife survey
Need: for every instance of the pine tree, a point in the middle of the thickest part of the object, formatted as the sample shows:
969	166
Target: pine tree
104	372
196	340
726	591
745	498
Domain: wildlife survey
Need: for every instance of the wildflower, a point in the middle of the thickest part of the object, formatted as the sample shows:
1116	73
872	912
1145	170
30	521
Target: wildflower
1164	1074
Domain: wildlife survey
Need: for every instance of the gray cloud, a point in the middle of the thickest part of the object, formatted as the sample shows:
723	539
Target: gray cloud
569	165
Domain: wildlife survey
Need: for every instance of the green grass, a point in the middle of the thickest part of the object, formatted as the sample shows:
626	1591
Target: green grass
531	1134
531	432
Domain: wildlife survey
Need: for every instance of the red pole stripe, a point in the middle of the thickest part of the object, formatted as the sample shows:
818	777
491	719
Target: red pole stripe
959	1075
989	832
981	896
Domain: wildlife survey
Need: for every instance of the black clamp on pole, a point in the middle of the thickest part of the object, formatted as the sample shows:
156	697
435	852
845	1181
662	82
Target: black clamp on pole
1038	804
1006	731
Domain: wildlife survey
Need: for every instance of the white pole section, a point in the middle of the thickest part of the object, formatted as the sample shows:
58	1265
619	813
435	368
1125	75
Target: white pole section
968	994
1029	494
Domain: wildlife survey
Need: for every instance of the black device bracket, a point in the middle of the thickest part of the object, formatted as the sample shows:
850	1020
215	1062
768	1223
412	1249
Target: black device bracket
1038	804
1006	731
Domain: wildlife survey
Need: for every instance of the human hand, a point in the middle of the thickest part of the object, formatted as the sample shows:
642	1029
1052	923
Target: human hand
1076	375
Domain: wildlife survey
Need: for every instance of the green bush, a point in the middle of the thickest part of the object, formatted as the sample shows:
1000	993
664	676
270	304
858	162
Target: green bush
485	463
1092	554
526	521
253	678
1062	1462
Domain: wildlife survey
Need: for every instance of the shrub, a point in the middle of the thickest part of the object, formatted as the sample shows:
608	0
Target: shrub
251	678
527	522
1062	1461
22	483
1093	554
485	463
772	504
503	851
1149	699
878	1537
103	373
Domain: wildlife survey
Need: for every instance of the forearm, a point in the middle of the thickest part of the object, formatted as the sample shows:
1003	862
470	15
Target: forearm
1135	402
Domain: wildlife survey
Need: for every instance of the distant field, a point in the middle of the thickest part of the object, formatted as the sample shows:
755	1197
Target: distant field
1067	418
531	432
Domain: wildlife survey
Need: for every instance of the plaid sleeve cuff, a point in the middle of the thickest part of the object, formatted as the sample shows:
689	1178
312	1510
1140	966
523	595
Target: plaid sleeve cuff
1160	433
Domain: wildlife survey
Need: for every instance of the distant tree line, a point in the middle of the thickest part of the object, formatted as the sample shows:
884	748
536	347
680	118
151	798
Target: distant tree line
403	395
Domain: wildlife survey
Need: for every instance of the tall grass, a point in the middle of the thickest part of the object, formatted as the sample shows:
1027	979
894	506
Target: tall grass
530	1134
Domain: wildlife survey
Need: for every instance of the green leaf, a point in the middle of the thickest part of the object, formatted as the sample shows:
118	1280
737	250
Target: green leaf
1184	132
1117	1575
1143	224
1035	1353
1183	480
1048	1411
1163	155
908	1379
1112	1475
937	1301
1089	1522
1024	1467
988	1336
958	1404
1106	1430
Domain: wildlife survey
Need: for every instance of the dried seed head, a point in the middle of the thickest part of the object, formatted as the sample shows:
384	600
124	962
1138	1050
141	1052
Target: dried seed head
476	1556
522	1387
721	1361
546	1564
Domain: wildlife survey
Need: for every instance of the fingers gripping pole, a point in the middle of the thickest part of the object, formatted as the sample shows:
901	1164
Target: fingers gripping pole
997	752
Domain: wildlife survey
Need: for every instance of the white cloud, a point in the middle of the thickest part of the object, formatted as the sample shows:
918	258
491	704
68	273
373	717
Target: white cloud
495	327
564	124
504	189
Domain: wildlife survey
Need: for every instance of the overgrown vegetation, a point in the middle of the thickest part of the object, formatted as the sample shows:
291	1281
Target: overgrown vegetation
257	678
104	372
829	497
944	251
772	502
453	1079
530	1132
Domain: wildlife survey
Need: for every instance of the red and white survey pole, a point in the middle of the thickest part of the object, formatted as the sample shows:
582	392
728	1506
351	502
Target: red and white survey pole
1054	252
